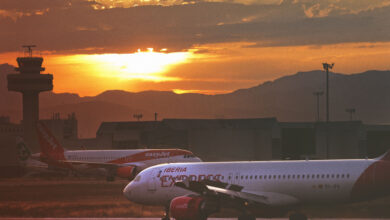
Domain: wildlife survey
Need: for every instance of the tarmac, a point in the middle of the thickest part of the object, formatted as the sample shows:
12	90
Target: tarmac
208	218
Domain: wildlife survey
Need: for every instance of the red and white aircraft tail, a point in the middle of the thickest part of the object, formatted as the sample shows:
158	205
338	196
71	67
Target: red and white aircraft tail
51	149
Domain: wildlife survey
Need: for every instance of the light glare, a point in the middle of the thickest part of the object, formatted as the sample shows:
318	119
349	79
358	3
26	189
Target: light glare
148	66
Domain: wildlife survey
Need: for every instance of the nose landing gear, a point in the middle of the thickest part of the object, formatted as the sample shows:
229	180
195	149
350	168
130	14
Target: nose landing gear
166	217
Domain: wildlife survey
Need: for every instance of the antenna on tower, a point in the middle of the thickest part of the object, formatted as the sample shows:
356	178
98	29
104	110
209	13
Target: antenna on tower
29	49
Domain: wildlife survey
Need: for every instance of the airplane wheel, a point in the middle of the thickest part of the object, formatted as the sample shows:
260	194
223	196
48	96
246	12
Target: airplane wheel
246	217
297	216
166	217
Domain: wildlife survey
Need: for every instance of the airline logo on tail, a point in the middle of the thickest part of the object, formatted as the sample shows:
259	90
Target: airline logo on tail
23	152
50	147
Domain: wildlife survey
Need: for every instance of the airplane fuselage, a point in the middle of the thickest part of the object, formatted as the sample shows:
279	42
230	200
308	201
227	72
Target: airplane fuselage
280	182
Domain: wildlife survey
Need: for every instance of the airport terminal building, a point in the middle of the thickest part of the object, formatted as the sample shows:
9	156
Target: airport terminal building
251	139
217	139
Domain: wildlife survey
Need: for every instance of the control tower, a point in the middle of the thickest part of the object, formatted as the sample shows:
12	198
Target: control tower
30	82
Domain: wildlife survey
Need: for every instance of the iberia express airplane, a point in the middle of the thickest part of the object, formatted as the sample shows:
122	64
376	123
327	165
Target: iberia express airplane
193	191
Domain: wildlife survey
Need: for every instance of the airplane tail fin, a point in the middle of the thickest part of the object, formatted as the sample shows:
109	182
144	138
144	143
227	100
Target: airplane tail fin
23	151
50	147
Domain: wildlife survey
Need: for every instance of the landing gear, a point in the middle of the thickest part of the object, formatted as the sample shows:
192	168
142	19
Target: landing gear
166	217
246	217
297	216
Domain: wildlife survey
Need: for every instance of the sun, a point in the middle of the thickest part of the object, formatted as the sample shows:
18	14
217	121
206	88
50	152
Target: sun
142	65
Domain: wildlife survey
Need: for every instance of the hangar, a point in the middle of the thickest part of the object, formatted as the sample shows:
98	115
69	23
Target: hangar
252	139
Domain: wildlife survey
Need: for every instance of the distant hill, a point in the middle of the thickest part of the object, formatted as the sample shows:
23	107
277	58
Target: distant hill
289	98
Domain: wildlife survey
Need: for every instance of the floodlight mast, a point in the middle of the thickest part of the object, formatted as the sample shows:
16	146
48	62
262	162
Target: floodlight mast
327	66
351	111
318	94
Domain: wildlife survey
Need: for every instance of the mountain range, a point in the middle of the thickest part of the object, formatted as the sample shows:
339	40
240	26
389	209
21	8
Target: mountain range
289	98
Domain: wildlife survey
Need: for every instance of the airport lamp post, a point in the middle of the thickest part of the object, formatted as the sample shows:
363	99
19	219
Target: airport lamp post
351	111
318	94
327	66
138	116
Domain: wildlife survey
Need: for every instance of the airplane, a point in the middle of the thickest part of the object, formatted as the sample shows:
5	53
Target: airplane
121	163
25	159
193	191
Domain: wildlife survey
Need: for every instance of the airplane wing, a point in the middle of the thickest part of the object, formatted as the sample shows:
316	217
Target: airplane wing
236	193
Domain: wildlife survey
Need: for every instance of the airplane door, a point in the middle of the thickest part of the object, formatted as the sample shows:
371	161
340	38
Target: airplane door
234	178
152	181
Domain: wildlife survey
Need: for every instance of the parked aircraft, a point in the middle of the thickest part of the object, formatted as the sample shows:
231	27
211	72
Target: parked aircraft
193	191
120	163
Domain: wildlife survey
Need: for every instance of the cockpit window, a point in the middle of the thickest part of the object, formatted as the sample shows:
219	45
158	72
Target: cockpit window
188	156
137	178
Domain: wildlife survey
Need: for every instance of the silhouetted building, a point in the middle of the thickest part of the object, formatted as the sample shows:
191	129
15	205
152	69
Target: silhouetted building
251	139
9	163
30	82
211	139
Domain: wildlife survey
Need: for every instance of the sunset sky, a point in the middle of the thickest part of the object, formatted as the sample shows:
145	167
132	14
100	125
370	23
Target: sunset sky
208	46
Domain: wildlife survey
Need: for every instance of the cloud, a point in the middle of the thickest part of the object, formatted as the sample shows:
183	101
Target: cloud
75	26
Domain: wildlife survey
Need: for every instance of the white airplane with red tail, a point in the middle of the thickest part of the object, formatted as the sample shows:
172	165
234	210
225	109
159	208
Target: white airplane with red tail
193	191
121	163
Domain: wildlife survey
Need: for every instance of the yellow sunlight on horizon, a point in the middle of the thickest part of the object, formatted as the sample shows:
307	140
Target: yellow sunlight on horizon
206	69
141	65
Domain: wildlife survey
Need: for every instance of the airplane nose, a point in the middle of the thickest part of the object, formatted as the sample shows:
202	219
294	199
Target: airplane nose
127	191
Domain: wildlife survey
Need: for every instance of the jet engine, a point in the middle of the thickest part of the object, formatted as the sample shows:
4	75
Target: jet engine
128	172
192	207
